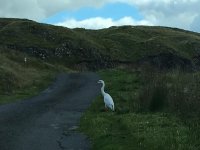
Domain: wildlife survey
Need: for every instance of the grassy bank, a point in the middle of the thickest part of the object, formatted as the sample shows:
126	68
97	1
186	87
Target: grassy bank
151	112
19	80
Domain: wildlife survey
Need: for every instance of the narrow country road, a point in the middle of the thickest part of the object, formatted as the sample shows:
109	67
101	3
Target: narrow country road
48	121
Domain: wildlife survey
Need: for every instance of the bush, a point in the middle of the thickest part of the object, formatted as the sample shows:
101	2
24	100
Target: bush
170	91
8	82
153	94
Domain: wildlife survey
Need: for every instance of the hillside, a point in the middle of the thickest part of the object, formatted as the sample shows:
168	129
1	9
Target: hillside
20	80
80	48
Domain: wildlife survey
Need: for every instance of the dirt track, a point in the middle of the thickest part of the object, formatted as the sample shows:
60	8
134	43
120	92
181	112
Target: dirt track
48	121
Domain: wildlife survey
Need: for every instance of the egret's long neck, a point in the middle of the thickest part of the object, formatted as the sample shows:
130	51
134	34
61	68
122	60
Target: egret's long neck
102	89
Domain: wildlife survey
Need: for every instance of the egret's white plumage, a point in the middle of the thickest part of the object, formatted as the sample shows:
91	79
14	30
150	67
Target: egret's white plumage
107	98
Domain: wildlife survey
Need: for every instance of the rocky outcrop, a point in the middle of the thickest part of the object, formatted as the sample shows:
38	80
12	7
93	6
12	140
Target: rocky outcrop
165	61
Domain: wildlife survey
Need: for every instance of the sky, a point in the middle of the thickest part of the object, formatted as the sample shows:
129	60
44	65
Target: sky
98	14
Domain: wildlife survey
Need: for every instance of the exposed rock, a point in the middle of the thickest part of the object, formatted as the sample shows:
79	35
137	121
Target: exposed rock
167	61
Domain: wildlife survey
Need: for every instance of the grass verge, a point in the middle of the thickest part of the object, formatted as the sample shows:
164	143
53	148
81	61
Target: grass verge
131	126
19	80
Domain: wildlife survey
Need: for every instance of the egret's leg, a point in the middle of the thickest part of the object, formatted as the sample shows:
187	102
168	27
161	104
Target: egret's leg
106	108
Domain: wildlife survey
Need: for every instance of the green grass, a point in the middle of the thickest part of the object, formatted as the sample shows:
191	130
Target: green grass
130	126
19	80
33	88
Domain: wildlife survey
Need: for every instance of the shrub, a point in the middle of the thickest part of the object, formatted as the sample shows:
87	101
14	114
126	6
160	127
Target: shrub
170	91
8	82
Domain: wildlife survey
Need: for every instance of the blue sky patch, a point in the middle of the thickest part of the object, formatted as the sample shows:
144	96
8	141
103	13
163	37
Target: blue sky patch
111	10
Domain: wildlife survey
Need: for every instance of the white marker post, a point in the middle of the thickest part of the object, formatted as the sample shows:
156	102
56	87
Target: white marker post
25	60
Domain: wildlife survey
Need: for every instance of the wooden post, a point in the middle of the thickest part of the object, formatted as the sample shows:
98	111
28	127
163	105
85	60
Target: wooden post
25	61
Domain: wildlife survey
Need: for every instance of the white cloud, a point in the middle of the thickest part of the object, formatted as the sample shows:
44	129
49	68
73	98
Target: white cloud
21	9
176	13
41	9
99	22
195	26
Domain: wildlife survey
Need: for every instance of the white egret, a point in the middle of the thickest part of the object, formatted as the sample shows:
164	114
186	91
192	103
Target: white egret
107	98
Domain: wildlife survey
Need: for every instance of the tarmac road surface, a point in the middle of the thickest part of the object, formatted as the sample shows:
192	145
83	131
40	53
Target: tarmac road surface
49	121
